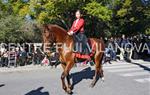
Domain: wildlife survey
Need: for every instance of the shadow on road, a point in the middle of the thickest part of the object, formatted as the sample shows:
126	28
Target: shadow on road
148	59
1	85
37	92
142	66
77	77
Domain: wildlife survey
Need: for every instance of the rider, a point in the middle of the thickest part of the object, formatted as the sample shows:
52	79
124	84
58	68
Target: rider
77	30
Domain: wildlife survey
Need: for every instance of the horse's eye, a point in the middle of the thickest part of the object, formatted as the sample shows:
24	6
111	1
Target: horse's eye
46	31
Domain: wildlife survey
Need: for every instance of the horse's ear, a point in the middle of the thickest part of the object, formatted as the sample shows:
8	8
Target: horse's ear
39	27
43	27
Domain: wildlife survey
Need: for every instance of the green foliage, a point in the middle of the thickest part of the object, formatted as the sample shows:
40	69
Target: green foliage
97	9
103	17
9	29
15	29
126	7
147	32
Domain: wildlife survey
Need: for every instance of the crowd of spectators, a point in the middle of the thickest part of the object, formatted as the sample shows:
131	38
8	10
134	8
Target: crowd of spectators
117	48
127	48
20	56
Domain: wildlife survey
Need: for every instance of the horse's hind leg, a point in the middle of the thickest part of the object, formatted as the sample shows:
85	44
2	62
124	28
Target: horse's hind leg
101	74
98	69
95	78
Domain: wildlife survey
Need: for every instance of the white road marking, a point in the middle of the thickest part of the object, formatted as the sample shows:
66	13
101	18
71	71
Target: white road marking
136	74
143	80
130	70
126	69
123	66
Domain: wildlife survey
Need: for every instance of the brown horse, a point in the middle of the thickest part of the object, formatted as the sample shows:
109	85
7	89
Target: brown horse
56	34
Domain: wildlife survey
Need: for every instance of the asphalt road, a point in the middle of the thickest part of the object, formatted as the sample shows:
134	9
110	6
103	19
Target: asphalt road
120	79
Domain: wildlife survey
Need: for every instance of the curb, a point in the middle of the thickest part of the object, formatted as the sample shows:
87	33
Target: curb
24	68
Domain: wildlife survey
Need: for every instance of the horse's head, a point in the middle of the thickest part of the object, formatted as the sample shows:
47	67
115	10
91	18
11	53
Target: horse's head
48	34
53	33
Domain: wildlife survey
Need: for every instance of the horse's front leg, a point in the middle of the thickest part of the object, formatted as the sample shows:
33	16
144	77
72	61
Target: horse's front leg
68	81
69	86
70	64
64	75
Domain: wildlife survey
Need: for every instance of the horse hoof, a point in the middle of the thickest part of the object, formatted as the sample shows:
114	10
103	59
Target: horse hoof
103	79
71	87
65	89
69	92
92	85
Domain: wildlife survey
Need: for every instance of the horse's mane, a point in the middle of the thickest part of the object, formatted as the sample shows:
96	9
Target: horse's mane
63	36
58	27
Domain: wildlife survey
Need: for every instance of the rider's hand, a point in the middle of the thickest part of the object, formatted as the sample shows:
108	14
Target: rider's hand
70	33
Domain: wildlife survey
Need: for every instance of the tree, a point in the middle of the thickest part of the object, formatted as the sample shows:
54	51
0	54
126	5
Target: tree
129	17
97	9
102	17
15	29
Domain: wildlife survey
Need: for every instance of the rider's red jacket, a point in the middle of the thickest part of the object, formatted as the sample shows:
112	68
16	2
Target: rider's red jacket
78	26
